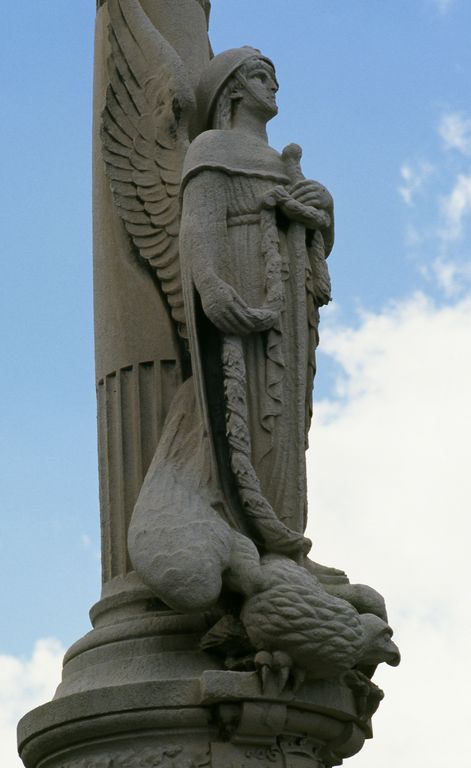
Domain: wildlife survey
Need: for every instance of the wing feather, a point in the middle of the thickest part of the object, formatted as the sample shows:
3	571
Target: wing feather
142	163
133	217
163	218
170	273
158	207
166	259
167	161
123	189
141	231
150	242
119	148
117	174
128	203
172	229
170	178
149	104
114	130
118	117
122	100
117	160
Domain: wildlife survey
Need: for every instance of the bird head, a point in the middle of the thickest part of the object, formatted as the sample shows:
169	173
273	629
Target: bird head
378	645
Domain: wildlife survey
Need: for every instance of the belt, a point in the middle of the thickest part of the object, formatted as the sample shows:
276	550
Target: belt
243	218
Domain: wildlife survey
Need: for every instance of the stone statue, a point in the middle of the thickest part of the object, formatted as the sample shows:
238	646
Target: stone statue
238	239
211	270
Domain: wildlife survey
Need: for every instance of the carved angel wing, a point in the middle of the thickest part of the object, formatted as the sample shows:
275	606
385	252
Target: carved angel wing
149	104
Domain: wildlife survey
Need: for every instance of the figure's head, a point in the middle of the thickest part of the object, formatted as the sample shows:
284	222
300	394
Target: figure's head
235	76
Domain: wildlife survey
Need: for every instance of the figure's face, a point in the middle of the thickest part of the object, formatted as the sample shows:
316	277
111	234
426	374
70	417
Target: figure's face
262	86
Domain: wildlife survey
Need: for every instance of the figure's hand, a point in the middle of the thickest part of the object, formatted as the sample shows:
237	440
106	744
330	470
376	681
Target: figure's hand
308	215
231	314
313	194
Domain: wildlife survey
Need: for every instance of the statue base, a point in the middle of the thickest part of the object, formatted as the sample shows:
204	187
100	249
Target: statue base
138	693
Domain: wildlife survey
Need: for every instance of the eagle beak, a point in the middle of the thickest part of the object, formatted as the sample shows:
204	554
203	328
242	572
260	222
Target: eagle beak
394	656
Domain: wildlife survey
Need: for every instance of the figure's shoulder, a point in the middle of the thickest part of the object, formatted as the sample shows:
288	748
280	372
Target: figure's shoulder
211	149
210	140
233	152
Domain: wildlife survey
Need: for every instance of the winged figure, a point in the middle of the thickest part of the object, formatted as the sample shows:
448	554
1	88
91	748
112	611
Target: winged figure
237	239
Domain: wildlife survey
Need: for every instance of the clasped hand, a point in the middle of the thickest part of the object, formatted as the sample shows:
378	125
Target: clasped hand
312	194
306	202
228	311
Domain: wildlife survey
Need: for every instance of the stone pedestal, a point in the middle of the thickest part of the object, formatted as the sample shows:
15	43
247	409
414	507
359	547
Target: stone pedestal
138	693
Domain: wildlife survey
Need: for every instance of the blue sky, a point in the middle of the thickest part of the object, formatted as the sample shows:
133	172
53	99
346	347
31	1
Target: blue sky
378	96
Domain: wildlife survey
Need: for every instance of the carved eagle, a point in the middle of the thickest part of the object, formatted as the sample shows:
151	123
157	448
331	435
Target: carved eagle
322	634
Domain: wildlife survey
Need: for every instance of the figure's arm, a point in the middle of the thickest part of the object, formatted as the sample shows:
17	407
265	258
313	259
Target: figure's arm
204	246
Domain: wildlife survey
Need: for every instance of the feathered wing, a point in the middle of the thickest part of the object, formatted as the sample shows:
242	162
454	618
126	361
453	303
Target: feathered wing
145	136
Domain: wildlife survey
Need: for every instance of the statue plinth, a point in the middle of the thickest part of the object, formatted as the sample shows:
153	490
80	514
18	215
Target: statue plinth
137	693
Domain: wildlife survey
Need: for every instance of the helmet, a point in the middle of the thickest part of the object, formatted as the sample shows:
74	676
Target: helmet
215	76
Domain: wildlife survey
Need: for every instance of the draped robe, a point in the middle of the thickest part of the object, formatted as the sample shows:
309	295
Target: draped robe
229	233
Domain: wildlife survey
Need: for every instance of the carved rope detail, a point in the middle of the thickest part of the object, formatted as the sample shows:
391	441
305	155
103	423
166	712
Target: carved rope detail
274	297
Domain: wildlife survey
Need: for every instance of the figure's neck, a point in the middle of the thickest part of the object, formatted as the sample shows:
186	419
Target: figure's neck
250	123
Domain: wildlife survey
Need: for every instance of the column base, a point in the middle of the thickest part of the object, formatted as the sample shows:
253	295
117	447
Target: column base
138	693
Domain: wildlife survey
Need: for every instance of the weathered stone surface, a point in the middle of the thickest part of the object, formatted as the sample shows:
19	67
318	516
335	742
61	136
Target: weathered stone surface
216	641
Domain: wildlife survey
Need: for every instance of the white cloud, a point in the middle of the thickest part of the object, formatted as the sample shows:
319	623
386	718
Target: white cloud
451	210
452	277
390	489
25	684
446	275
455	208
413	178
455	130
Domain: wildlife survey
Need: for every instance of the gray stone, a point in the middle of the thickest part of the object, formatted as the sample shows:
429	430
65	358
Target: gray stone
216	641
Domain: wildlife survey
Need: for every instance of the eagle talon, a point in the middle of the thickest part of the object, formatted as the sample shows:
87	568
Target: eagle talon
282	666
277	669
263	664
